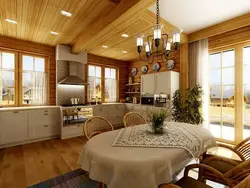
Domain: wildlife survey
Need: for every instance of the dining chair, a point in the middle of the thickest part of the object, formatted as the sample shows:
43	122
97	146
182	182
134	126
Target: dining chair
242	150
233	171
132	119
244	184
96	125
189	182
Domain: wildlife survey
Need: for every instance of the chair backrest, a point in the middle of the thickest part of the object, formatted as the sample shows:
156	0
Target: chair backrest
96	125
239	173
132	119
244	148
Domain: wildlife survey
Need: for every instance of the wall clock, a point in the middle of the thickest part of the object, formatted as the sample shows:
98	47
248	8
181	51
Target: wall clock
144	69
170	64
134	71
156	67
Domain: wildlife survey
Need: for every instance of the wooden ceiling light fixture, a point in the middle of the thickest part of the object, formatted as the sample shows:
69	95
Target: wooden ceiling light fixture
157	45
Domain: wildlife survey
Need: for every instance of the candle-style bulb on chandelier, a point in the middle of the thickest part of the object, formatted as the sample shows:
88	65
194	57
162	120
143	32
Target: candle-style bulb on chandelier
158	44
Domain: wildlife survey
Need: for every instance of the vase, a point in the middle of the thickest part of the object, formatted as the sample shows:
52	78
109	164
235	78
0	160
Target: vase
158	128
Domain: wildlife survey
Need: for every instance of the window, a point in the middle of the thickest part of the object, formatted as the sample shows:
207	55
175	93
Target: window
110	85
222	97
25	87
102	83
7	77
34	80
246	82
94	81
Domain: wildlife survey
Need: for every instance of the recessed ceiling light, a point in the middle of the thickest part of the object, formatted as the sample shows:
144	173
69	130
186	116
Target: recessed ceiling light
124	52
65	13
104	46
11	21
54	33
125	35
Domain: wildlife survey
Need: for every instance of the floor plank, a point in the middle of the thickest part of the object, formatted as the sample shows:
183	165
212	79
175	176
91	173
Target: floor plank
29	164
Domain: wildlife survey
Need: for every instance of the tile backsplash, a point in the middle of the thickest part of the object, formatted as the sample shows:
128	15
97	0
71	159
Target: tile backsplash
66	92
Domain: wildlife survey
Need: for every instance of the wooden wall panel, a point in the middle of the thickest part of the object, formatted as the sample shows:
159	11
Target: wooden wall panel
121	65
139	64
236	36
39	49
226	26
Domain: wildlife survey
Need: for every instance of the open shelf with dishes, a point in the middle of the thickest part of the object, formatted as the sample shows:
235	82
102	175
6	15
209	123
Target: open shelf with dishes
133	93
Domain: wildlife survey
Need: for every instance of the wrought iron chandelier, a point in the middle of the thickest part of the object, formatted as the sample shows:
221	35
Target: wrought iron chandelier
157	45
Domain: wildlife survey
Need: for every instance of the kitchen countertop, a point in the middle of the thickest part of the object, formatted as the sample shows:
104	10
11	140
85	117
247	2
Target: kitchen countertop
27	108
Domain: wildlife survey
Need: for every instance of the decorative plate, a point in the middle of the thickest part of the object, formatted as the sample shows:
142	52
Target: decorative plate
144	69
156	67
134	71
170	64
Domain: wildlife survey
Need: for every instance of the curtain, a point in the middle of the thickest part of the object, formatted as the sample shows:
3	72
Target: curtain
39	88
198	72
110	90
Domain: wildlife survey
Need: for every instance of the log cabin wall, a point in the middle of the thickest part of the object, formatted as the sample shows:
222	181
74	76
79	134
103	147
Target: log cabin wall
138	64
122	66
17	45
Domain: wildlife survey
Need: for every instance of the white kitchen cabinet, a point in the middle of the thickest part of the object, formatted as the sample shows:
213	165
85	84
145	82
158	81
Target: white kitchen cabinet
148	84
14	127
28	124
112	112
162	82
157	83
44	123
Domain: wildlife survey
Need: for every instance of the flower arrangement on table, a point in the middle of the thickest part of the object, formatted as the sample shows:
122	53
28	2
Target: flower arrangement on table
157	118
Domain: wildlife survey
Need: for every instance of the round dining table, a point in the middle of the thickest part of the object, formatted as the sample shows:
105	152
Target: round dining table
133	167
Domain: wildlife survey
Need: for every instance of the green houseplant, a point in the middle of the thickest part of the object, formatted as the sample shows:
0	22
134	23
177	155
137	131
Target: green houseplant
157	117
188	108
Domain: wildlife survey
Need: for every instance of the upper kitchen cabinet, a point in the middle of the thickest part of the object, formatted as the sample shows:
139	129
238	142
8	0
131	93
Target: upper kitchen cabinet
147	84
164	82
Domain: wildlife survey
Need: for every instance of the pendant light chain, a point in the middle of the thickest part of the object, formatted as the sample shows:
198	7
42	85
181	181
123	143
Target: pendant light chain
157	12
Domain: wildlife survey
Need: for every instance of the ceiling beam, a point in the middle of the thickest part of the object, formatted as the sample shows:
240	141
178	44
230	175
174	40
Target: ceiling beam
229	25
108	24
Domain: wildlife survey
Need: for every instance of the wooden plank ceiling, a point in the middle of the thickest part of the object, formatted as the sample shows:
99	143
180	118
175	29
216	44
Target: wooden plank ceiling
94	23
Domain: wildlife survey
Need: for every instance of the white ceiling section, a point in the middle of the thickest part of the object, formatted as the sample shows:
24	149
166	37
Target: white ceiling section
193	15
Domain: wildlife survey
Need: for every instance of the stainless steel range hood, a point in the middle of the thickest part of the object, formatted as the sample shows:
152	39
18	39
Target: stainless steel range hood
63	53
73	78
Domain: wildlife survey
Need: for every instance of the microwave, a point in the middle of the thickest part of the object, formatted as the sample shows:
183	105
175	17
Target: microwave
147	99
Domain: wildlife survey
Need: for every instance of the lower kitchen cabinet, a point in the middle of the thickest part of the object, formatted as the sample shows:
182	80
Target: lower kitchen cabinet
18	126
14	127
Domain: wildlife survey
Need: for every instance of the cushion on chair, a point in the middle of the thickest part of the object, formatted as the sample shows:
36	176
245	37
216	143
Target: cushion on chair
187	182
221	166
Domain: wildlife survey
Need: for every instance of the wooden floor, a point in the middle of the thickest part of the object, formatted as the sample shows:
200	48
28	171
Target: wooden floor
25	165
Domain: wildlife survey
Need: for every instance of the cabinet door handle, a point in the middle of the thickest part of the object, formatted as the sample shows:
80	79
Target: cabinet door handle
45	114
15	112
45	110
46	126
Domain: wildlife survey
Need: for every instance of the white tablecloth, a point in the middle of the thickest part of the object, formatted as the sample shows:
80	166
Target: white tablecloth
136	167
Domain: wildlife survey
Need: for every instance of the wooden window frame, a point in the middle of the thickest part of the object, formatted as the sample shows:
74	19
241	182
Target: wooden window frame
18	75
238	90
103	80
21	76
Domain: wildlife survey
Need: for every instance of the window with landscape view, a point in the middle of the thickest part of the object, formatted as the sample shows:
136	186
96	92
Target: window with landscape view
27	87
94	81
222	97
7	77
102	83
34	80
110	85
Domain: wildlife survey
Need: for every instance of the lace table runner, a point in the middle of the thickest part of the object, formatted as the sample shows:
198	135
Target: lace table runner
175	135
